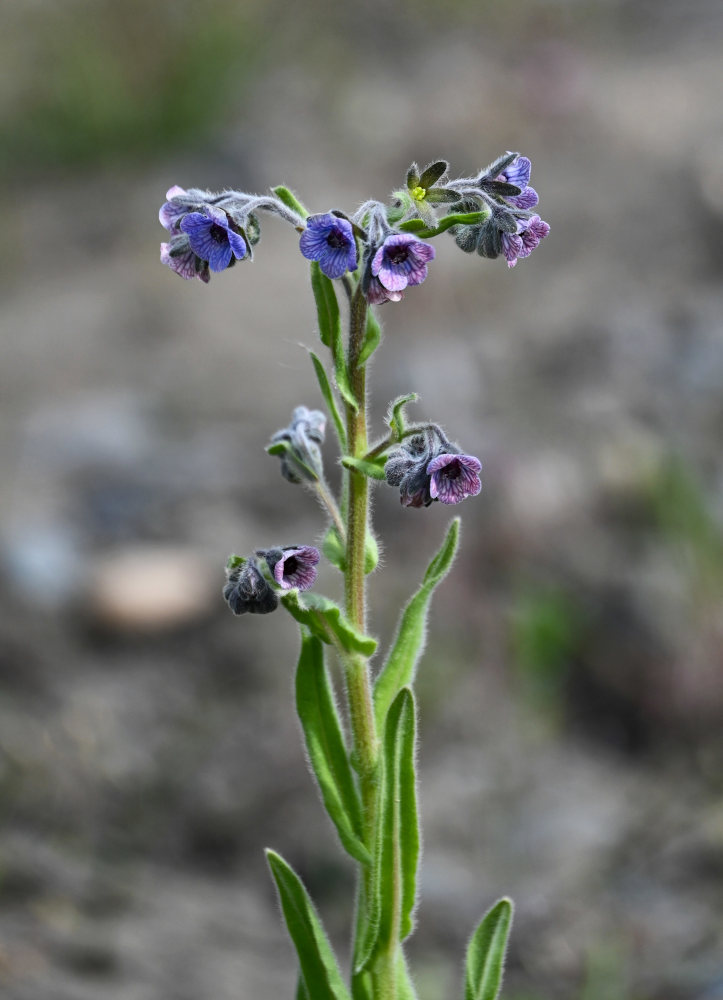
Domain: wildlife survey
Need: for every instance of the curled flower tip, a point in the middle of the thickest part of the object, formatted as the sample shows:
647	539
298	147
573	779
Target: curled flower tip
298	446
247	590
401	260
329	240
454	477
293	566
212	238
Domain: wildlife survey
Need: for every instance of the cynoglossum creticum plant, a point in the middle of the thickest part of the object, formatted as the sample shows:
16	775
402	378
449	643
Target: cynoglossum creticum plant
367	783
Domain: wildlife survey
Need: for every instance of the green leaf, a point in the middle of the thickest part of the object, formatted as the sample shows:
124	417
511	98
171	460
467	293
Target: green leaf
409	641
301	991
372	470
317	711
324	619
327	311
335	550
319	967
299	468
442	196
372	338
396	846
395	414
283	194
486	953
328	395
405	987
412	225
413	176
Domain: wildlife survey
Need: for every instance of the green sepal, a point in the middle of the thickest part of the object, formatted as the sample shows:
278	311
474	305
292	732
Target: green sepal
281	448
501	188
316	707
324	619
395	414
442	196
284	195
372	470
486	953
372	338
408	645
326	391
431	174
335	550
396	844
319	967
447	221
413	177
498	166
235	562
327	310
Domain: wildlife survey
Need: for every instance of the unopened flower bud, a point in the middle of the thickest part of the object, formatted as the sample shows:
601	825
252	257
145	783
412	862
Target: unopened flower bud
247	590
298	446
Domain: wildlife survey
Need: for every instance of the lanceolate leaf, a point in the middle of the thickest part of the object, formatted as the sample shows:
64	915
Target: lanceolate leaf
301	991
328	395
486	953
409	641
372	338
319	968
324	619
325	744
445	223
396	853
327	310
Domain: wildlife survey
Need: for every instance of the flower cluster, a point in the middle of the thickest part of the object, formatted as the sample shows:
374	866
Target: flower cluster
427	467
248	590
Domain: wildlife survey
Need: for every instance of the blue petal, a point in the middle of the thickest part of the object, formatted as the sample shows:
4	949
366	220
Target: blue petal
220	257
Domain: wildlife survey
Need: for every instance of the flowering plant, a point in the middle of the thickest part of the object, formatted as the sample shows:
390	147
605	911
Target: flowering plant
367	782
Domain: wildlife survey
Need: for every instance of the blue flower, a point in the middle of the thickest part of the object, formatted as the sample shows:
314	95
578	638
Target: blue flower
212	238
330	240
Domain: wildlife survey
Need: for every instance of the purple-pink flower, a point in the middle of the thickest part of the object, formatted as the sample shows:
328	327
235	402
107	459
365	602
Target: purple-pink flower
212	238
521	244
294	566
330	240
518	173
185	262
401	260
377	294
454	477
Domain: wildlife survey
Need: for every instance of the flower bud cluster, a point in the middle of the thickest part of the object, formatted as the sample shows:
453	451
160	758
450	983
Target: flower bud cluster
298	445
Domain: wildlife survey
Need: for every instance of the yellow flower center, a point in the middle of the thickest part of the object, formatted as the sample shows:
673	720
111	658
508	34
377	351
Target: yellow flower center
419	193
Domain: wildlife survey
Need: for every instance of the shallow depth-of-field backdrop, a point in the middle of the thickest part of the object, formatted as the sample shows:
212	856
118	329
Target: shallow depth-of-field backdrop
572	691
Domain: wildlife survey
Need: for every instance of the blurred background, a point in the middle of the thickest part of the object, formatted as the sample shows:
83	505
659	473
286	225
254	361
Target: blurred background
572	691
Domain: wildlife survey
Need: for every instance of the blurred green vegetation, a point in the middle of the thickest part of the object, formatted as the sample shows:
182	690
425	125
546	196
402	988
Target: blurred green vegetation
89	83
545	630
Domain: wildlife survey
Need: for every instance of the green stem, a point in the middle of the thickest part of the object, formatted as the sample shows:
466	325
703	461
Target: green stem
358	681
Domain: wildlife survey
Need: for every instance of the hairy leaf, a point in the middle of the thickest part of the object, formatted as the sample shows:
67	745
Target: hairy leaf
372	470
335	550
486	953
395	414
324	619
319	967
317	711
432	172
372	338
327	310
328	395
400	666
